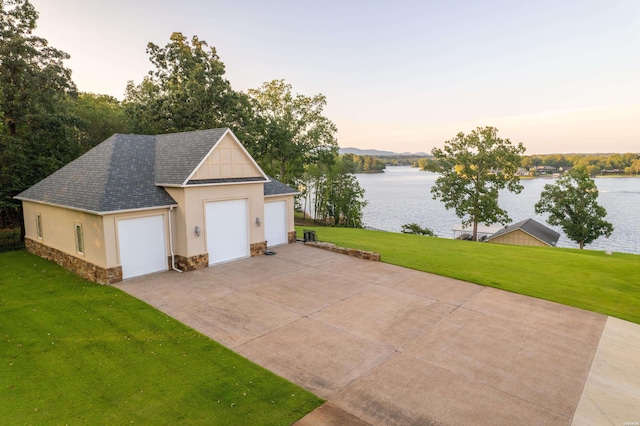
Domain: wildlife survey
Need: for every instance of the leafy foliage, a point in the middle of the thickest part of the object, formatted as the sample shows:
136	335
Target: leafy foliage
292	130
365	163
333	193
571	204
473	168
414	228
97	118
186	90
594	163
38	133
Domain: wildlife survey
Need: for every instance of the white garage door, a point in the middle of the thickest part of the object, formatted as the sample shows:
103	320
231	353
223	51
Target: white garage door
275	223
142	246
226	229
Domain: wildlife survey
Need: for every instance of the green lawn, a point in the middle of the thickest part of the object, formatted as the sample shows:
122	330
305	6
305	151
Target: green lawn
592	280
74	352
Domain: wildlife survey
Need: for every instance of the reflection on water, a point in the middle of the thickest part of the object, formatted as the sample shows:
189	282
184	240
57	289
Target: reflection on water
402	195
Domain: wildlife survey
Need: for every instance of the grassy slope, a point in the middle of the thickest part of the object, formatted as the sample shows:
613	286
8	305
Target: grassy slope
592	280
73	352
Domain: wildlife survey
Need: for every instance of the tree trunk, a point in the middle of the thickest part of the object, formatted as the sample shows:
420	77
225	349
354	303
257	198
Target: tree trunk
581	244
475	230
21	219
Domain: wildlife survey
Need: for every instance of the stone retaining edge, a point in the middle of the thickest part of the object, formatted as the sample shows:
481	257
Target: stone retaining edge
361	254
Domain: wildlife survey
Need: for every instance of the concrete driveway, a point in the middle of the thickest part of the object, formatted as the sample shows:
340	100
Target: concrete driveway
388	345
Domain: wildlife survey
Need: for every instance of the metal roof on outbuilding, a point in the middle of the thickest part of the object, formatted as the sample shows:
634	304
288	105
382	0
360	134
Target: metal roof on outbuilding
533	228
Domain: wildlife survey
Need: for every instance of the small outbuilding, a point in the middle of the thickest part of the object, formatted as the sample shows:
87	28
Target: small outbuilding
525	233
138	204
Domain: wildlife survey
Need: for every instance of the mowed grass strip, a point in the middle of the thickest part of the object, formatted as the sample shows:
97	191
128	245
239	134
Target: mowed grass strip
74	352
587	279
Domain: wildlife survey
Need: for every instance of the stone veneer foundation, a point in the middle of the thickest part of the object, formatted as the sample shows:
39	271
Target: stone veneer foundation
257	249
292	237
113	275
86	270
192	263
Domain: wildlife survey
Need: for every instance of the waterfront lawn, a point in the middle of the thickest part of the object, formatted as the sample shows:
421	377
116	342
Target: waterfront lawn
74	352
587	279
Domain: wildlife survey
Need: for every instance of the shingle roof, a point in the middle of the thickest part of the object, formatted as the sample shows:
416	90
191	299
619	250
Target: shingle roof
127	172
178	154
274	188
533	228
116	175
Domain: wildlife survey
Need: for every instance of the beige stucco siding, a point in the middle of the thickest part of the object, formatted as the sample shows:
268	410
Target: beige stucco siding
112	251
518	237
227	160
192	207
289	199
58	230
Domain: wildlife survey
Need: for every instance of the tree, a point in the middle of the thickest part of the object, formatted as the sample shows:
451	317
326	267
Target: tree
38	134
571	204
293	132
414	228
634	168
98	117
186	91
473	168
333	192
423	163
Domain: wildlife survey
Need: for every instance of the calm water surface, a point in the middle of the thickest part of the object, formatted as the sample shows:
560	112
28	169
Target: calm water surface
402	195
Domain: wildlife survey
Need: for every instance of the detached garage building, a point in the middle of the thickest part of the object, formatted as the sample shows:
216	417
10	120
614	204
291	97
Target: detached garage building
526	233
138	204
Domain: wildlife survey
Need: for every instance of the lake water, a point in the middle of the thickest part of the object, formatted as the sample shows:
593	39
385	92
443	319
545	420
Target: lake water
402	195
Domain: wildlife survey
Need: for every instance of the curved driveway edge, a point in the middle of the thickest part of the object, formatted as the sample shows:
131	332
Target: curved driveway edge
388	345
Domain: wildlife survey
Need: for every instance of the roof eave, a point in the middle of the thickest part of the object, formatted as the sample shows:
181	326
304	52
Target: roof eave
62	206
168	206
195	185
97	213
282	195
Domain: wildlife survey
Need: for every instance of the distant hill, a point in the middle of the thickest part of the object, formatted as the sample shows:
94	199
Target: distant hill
358	151
376	152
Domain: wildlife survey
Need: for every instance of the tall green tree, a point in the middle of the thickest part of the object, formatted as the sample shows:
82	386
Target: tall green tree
97	118
571	203
294	130
332	192
38	134
473	168
186	90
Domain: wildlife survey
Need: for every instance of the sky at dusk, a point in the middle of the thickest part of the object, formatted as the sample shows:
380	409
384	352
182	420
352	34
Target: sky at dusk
559	76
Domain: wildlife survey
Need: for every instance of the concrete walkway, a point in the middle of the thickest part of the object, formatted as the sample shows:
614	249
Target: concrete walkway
387	345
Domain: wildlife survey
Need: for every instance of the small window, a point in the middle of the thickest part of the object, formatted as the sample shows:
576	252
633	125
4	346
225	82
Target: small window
79	239
39	225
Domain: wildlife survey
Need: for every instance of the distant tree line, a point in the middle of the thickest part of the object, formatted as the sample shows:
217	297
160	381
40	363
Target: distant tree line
363	163
595	164
45	123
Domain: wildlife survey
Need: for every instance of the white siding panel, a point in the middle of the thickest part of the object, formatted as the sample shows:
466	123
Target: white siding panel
226	230
275	223
142	244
